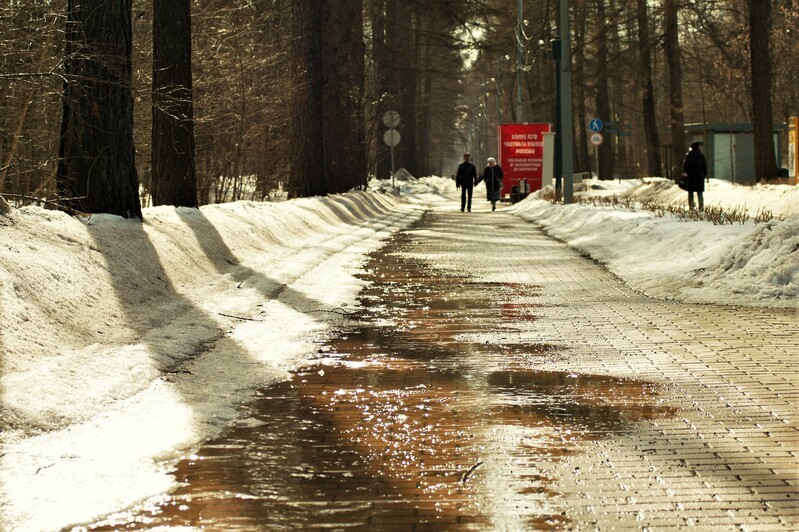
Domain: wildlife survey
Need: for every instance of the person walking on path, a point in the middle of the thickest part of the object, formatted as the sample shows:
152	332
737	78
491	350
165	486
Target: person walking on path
465	180
492	175
695	167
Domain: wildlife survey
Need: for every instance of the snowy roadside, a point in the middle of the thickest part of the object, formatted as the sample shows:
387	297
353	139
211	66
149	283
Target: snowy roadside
743	264
124	344
664	257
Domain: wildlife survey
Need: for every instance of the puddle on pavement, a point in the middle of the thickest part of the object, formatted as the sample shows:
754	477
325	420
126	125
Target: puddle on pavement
406	420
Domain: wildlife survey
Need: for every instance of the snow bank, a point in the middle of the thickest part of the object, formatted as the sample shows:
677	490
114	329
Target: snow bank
124	342
780	200
664	257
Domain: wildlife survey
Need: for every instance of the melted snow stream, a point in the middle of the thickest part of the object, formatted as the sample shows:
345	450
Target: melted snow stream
405	420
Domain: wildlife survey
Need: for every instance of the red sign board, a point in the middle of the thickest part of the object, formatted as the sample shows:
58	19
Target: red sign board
521	156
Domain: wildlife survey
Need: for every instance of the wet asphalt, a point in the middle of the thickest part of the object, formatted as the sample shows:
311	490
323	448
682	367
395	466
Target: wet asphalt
493	379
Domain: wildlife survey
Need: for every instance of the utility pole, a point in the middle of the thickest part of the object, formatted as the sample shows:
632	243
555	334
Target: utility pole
558	166
566	104
519	61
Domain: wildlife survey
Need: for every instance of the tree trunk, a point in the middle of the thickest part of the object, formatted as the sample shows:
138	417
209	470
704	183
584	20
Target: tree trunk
307	155
356	88
426	112
579	84
327	128
174	180
406	47
343	53
379	20
759	23
654	166
671	48
96	169
605	150
401	78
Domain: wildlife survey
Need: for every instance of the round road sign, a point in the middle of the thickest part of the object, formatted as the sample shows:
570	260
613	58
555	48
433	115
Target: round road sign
391	119
596	139
391	137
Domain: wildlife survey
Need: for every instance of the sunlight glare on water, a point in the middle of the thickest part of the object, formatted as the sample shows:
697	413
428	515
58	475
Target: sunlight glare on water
406	423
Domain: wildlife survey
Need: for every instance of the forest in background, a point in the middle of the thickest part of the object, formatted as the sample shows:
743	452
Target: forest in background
289	94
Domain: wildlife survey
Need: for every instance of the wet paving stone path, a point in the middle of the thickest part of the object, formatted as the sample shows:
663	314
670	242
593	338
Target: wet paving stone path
492	379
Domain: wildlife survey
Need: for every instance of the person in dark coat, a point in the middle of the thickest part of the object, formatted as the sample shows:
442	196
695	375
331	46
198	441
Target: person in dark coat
695	167
492	175
465	179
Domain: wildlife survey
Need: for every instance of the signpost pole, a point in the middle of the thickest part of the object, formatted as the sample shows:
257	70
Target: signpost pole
595	137
391	137
392	166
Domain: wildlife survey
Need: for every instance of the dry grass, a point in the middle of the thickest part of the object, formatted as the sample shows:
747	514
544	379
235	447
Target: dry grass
715	214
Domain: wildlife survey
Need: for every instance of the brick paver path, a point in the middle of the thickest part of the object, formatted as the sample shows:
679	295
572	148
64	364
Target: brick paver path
497	380
728	456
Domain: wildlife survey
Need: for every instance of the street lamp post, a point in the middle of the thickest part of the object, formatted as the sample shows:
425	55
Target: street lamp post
566	105
519	61
558	166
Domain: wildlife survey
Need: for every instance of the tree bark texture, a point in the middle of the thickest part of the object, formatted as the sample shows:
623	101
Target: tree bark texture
654	166
96	168
605	150
408	51
759	21
307	157
382	163
672	51
400	74
343	81
174	180
580	88
327	126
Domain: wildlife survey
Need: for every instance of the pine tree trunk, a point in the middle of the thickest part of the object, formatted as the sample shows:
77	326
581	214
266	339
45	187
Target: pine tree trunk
307	156
356	88
605	150
654	166
96	169
759	22
401	78
382	164
579	84
671	49
426	114
409	76
343	54
174	180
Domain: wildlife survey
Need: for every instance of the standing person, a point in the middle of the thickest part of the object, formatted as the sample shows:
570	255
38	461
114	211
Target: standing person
695	167
492	175
465	180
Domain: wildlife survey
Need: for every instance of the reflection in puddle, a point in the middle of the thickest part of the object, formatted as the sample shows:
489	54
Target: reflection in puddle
402	422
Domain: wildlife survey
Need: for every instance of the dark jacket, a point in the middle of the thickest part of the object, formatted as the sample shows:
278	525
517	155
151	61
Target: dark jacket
695	166
467	175
492	175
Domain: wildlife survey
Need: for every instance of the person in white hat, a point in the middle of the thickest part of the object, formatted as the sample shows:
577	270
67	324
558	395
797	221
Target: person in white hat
492	175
